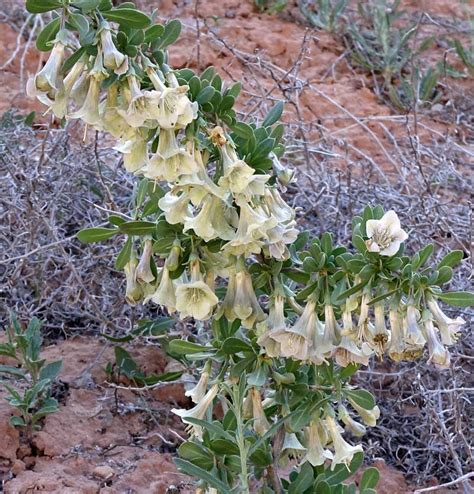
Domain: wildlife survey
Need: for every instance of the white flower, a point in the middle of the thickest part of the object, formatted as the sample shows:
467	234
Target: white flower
198	392
413	335
439	355
354	427
347	352
385	235
165	294
275	323
199	411
111	120
448	327
211	222
240	301
174	110
343	451
380	337
369	417
315	452
143	273
396	349
47	79
297	340
292	446
176	207
135	152
170	160
140	111
61	100
113	59
260	422
195	299
133	292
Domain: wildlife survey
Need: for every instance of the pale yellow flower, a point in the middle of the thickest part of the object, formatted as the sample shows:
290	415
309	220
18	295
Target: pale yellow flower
315	452
385	235
198	392
260	422
113	59
369	417
48	78
165	293
133	292
343	451
439	355
354	427
135	152
143	273
448	327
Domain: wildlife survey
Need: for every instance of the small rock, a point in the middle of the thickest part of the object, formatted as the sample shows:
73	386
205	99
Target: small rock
18	467
103	472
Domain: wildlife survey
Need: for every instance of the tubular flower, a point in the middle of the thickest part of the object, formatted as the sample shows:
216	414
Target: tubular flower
140	111
176	207
380	336
199	411
354	427
112	120
347	352
369	417
47	80
292	446
170	160
396	349
134	151
195	299
165	294
439	355
260	422
211	221
343	451
240	301
174	108
323	343
414	338
448	327
89	112
133	292
199	391
274	324
251	232
297	340
385	235
143	273
61	100
113	59
315	452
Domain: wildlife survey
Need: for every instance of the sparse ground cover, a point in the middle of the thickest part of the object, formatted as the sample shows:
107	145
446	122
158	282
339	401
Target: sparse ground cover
350	147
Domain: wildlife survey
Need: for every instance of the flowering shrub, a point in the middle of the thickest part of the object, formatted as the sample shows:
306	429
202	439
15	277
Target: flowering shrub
281	321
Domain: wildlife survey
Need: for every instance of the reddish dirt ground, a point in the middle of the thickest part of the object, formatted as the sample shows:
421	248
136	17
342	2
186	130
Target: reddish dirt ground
91	445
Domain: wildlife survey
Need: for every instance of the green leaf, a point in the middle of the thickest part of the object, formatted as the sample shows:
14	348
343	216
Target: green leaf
124	254
138	227
243	130
444	275
458	299
451	259
51	370
235	345
196	454
369	479
361	397
303	481
125	362
40	6
273	115
359	243
351	291
70	61
205	95
183	347
153	32
17	421
48	34
128	18
171	33
79	22
224	447
90	235
382	297
86	5
195	471
14	371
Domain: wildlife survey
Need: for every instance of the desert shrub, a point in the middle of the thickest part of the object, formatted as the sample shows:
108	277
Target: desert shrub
210	238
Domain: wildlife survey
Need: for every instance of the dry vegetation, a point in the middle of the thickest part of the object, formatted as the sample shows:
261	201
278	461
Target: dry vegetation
420	164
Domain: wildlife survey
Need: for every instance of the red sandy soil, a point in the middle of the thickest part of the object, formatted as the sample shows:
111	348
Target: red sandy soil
89	446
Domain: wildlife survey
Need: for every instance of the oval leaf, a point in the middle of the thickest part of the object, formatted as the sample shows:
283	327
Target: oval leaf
47	35
90	235
128	18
